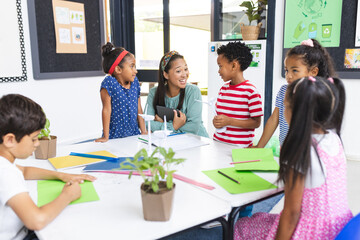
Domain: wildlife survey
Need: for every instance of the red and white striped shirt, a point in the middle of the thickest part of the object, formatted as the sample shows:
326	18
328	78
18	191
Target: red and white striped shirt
241	102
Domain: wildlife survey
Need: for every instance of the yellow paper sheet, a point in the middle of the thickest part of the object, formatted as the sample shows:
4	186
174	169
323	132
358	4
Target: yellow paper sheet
75	161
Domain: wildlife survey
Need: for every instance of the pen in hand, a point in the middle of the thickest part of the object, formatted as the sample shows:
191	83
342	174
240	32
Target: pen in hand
229	177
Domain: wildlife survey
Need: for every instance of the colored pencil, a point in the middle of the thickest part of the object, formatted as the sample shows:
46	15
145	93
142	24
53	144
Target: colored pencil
228	177
258	160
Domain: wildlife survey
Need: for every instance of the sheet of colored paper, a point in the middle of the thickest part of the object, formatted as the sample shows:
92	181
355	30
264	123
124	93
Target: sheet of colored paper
48	190
75	161
249	182
265	155
109	165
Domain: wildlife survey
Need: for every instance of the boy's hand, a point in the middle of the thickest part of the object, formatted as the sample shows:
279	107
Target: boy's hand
178	122
102	139
159	119
72	190
78	178
220	121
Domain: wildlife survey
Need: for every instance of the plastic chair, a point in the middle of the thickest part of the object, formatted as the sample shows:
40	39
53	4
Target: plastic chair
351	230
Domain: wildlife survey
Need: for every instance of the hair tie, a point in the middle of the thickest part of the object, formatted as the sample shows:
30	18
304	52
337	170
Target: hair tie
311	78
308	42
117	61
167	58
331	80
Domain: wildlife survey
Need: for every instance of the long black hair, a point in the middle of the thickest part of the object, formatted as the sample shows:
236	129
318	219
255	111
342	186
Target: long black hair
314	102
314	56
110	53
159	98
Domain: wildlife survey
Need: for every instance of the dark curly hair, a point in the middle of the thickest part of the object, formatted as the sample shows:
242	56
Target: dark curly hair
20	116
237	51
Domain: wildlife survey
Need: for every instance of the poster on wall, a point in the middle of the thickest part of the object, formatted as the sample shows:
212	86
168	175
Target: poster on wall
316	19
357	34
352	58
70	32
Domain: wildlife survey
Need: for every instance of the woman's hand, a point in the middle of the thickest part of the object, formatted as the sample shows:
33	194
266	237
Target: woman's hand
102	139
79	178
220	121
179	121
159	119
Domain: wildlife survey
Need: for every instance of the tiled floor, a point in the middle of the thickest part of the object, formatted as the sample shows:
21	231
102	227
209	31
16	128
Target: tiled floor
353	187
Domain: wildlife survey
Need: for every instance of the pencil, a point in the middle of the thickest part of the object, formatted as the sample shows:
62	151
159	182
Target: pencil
146	142
258	160
228	177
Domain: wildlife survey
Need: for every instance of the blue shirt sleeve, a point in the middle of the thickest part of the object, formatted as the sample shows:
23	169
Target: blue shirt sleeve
106	83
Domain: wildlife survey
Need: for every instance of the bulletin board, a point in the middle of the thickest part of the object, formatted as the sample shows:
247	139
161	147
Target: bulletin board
323	20
47	63
12	49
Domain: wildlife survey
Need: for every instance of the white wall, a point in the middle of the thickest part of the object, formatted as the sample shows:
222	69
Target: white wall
351	129
72	105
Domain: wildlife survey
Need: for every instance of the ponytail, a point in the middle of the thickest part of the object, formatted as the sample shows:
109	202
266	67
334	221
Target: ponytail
314	55
314	103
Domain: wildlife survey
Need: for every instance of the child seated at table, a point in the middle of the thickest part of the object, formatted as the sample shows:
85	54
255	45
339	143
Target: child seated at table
21	120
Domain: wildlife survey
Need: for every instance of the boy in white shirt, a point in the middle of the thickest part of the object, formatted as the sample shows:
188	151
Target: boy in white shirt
21	120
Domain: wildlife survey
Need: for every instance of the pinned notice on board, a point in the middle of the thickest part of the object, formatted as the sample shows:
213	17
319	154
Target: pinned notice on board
69	25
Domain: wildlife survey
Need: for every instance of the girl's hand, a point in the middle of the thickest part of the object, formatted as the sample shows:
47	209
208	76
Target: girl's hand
220	121
72	190
159	119
144	133
102	139
78	178
178	122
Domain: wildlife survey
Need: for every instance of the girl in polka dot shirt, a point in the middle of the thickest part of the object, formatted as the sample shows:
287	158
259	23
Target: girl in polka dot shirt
120	95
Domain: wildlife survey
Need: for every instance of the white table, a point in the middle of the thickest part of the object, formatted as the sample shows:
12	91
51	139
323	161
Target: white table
118	214
215	155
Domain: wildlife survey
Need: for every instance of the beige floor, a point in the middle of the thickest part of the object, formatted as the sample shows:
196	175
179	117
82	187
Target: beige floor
353	187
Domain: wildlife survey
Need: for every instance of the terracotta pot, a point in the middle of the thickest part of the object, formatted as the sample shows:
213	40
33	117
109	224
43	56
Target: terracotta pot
157	206
250	32
46	149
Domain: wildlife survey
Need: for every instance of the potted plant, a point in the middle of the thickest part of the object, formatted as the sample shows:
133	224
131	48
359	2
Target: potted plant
253	12
47	147
157	190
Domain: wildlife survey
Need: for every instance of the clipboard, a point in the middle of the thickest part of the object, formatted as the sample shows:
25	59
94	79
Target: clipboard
165	111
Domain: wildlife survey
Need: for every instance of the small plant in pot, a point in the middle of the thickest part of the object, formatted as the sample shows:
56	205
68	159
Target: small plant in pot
47	147
157	190
253	12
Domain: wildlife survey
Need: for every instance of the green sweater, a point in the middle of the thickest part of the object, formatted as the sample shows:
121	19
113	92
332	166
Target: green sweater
191	108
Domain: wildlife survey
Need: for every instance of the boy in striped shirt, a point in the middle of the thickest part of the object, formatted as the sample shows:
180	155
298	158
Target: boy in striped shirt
238	105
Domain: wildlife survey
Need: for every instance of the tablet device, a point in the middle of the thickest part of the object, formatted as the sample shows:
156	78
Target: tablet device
162	111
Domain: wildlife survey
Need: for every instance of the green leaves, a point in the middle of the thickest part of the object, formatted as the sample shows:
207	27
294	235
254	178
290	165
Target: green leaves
159	164
254	9
45	132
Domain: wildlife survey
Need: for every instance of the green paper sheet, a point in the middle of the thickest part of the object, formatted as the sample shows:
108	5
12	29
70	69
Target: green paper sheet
266	156
49	190
249	182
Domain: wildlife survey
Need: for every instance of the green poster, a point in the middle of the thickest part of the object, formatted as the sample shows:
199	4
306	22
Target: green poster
316	19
